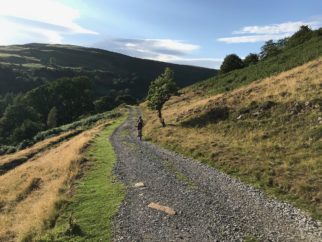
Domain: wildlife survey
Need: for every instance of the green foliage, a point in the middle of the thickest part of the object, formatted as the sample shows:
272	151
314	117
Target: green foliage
269	49
230	63
287	58
5	149
302	35
55	103
251	59
52	61
103	104
79	125
26	130
125	99
82	124
5	101
19	122
52	118
8	80
161	89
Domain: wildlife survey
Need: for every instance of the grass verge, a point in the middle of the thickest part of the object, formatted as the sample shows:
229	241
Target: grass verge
88	215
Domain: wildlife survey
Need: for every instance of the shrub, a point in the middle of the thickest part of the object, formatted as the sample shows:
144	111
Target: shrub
251	59
52	118
5	149
24	144
230	63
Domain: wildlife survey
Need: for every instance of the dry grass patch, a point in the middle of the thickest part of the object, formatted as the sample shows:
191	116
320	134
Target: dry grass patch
29	192
33	149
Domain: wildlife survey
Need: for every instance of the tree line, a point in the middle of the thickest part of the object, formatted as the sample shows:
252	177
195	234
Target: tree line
269	49
48	106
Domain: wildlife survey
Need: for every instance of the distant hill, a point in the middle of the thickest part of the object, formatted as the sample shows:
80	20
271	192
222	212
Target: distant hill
24	67
43	86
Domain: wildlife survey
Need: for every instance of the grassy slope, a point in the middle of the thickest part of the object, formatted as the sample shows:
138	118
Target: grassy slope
96	198
30	192
268	133
289	58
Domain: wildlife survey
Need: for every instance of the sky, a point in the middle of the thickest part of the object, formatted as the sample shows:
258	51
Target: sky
191	32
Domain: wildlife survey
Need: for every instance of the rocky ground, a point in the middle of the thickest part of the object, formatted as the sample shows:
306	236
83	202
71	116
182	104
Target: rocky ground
209	205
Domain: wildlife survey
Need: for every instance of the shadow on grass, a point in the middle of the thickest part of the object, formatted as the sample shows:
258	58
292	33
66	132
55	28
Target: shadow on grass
214	115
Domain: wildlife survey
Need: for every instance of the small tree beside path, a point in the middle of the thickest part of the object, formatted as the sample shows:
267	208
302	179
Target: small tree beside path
160	91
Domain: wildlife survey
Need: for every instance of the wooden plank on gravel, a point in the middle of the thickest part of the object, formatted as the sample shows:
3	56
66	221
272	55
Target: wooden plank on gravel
162	208
139	184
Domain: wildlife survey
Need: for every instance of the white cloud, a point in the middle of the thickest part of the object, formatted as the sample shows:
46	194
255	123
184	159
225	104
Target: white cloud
171	44
256	33
38	21
157	45
149	47
205	62
252	38
282	28
166	50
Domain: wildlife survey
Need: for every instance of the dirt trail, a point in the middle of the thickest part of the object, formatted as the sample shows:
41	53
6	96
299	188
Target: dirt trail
209	205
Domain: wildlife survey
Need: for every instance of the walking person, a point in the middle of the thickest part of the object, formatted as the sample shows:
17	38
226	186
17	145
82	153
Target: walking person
140	127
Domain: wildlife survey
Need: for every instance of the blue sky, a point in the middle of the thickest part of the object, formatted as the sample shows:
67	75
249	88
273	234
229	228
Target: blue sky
179	31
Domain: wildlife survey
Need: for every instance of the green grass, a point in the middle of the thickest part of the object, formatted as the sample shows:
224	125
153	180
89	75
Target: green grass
89	213
286	60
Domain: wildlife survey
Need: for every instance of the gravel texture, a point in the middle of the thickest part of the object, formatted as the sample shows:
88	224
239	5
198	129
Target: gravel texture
210	205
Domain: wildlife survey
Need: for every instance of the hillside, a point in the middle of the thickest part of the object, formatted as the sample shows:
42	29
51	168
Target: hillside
288	53
268	133
44	86
38	182
24	67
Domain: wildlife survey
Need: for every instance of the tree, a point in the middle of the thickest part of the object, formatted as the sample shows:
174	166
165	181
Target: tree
302	35
269	49
251	59
71	96
104	104
231	62
126	99
52	118
52	61
19	122
26	130
160	91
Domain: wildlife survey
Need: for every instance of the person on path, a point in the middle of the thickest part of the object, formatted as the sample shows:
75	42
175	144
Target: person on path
140	127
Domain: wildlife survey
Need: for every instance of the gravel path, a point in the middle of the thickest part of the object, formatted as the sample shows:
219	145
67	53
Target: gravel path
210	205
